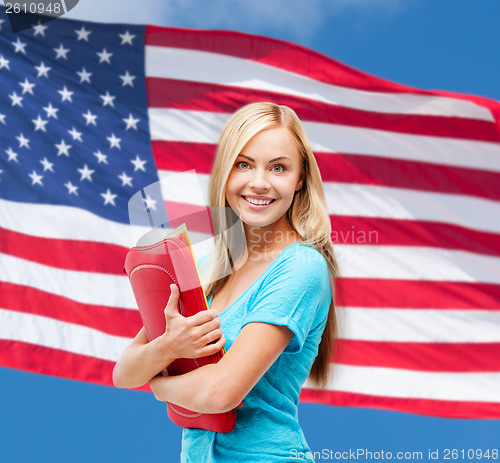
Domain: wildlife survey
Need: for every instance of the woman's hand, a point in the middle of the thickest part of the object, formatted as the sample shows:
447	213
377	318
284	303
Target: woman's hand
190	337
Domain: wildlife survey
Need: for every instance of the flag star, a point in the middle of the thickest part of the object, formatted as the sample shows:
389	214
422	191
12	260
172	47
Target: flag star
104	56
101	157
4	63
16	100
27	86
114	141
39	29
83	34
1	21
72	189
109	198
90	118
19	46
47	165
84	76
40	124
23	141
127	79
63	148
127	38
1	172
51	111
42	70
12	155
138	164
75	134
66	94
108	99
86	173
61	52
126	180
131	122
2	118
150	203
35	178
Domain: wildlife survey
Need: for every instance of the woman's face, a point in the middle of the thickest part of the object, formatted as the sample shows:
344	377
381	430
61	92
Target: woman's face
265	177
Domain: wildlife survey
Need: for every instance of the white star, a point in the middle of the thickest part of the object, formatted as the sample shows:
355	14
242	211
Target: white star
47	165
114	141
150	203
40	124
27	86
127	79
61	52
72	189
51	111
4	63
16	100
90	118
138	164
39	30
84	76
125	179
109	198
1	21
83	34
63	148
131	122
101	157
75	134
23	141
86	173
19	46
107	99
2	118
66	94
105	56
35	178
1	171
127	38
12	155
42	70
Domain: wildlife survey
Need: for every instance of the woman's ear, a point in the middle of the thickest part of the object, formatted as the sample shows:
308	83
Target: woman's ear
300	182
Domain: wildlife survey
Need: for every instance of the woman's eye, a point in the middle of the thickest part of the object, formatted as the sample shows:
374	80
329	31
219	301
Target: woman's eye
242	165
278	168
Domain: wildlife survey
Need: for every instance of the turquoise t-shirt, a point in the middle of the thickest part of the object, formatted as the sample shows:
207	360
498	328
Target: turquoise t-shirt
293	291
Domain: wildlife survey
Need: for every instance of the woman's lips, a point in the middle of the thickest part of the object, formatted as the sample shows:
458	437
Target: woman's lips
257	206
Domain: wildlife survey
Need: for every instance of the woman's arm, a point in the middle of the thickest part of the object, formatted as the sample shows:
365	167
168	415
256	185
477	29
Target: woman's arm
184	337
221	387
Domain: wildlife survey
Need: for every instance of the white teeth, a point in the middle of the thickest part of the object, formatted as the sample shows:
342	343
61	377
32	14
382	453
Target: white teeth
258	201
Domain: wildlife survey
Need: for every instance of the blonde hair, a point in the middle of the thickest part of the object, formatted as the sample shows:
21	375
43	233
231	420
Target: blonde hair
308	214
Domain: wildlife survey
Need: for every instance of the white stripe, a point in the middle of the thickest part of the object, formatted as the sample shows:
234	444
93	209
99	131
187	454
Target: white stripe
205	127
389	382
84	287
207	67
398	203
418	325
64	222
55	334
416	263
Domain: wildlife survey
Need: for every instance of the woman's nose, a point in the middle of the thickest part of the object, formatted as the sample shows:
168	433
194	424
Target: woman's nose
259	181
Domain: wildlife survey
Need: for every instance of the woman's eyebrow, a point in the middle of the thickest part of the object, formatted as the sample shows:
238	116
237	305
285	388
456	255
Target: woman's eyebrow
272	160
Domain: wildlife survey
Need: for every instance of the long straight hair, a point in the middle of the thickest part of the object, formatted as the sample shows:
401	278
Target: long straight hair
307	215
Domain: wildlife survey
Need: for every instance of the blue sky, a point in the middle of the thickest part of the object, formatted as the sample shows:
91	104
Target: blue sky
437	44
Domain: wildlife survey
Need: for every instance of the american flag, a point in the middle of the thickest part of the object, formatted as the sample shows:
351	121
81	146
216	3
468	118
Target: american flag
91	113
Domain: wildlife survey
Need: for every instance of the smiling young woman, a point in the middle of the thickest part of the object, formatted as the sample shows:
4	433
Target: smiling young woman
270	296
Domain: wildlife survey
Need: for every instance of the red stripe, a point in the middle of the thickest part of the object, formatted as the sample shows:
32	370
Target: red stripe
199	96
407	294
444	357
441	408
47	361
110	320
351	168
84	256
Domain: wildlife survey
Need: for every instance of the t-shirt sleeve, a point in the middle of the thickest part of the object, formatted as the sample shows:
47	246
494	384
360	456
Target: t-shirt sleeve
296	294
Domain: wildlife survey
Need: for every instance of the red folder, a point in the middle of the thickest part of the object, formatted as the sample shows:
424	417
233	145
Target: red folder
151	270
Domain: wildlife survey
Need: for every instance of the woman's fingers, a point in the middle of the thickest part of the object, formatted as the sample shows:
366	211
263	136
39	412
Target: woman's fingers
204	316
211	349
171	307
